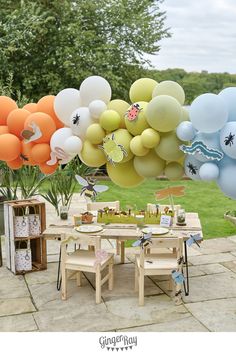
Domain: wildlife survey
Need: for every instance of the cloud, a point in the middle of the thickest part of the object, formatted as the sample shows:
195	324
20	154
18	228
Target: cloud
203	36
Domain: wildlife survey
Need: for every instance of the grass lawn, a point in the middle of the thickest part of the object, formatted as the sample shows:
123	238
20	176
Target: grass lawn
204	198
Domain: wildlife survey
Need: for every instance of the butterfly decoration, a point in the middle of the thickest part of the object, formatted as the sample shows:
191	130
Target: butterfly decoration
58	154
177	277
133	112
31	135
193	239
90	189
143	241
100	255
113	151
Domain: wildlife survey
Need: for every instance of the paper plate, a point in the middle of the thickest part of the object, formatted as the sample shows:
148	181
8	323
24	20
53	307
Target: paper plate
89	228
155	230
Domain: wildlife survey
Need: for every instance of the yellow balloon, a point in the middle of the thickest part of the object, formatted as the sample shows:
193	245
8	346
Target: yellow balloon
91	155
123	137
139	124
174	171
110	120
150	165
163	113
168	148
170	88
185	115
141	90
124	175
137	147
95	133
150	138
121	107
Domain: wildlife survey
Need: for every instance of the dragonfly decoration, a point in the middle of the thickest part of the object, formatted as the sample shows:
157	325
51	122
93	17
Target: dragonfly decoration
193	239
178	277
177	191
143	241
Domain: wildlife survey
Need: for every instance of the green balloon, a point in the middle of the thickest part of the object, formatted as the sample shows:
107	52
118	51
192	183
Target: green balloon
138	125
174	171
163	113
149	165
170	88
141	90
168	148
110	120
121	108
124	175
91	155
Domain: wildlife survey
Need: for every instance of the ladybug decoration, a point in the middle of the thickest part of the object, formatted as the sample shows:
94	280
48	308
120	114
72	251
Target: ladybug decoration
133	112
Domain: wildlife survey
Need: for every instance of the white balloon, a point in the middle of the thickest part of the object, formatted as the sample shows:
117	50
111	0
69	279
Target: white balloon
80	120
226	180
95	88
228	139
186	131
96	108
73	145
66	101
209	171
59	137
208	113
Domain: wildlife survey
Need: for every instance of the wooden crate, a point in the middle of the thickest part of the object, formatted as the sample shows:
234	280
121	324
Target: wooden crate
37	243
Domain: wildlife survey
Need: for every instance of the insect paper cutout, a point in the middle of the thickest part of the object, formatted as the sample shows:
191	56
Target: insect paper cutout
203	149
143	241
177	277
100	255
133	112
229	140
192	168
90	189
193	239
75	119
114	152
31	135
177	191
58	154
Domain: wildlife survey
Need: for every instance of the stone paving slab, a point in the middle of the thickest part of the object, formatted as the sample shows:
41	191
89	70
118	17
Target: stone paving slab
212	258
186	324
213	268
16	306
13	287
18	323
217	245
217	315
230	265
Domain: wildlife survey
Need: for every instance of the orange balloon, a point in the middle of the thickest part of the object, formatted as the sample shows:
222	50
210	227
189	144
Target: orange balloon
26	154
46	169
41	152
31	107
46	105
15	164
16	120
10	147
4	129
45	123
6	106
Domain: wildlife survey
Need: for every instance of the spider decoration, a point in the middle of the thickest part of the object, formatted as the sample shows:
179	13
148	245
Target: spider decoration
229	140
192	169
133	112
76	119
114	152
143	241
90	189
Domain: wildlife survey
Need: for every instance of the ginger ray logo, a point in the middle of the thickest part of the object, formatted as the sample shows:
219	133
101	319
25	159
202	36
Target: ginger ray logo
118	343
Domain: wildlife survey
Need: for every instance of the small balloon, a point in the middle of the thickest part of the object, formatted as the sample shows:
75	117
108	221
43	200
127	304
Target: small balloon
137	147
168	148
44	122
15	164
121	107
150	138
16	121
10	147
149	165
40	152
95	133
209	171
185	131
91	155
96	108
110	120
174	171
31	107
73	145
59	137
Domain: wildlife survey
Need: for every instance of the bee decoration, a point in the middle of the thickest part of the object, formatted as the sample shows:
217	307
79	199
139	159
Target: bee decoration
143	241
133	112
229	140
192	169
76	119
114	152
90	189
24	157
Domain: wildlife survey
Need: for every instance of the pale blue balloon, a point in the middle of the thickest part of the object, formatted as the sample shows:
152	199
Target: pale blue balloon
228	139
209	171
208	113
226	180
186	131
192	167
229	96
212	141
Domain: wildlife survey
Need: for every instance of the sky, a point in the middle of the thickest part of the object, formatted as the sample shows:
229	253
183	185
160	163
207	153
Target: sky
203	36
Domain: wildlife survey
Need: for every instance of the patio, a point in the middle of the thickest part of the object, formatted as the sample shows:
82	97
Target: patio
32	303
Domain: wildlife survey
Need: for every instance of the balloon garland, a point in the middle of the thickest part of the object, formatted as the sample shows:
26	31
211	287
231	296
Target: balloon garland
154	135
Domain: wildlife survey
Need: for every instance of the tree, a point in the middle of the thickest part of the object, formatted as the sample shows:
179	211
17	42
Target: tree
50	45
